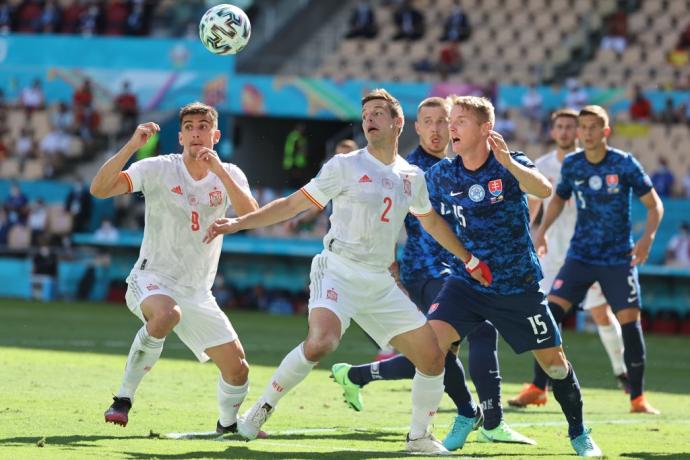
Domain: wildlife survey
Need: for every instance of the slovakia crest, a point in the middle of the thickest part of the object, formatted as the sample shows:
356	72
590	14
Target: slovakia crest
215	198
612	183
496	187
407	186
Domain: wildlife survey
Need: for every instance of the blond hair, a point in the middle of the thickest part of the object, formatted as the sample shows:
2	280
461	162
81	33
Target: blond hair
597	111
480	106
563	113
199	108
434	102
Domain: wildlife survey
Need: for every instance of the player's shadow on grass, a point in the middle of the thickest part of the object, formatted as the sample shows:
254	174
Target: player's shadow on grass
651	455
66	440
363	435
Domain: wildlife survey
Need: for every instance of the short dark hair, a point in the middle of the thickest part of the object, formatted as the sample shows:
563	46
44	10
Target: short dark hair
563	113
199	108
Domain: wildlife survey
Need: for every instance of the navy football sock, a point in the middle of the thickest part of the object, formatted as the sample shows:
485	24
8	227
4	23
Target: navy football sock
541	380
485	373
395	368
456	386
634	356
567	393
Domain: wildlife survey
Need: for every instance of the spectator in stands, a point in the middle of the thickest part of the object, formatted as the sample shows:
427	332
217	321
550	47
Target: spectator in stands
127	106
25	146
4	152
684	39
686	184
137	20
106	233
83	96
505	125
63	118
16	205
38	220
31	97
362	22
88	120
5	226
115	14
669	115
6	17
49	21
576	96
28	17
449	60
533	104
90	21
409	21
616	32
78	204
662	179
54	148
71	16
457	25
678	249
640	107
44	272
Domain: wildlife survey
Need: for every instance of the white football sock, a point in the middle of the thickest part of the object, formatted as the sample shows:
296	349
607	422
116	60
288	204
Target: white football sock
426	396
143	354
612	339
292	370
230	398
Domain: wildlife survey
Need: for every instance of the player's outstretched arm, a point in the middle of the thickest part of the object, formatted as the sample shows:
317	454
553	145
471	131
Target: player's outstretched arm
439	229
553	210
242	202
272	213
530	179
655	211
108	181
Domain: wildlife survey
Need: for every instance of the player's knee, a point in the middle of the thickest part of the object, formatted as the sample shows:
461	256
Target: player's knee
316	347
239	373
556	371
164	322
432	364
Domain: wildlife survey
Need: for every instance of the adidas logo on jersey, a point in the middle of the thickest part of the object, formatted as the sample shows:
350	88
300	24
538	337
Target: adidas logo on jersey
176	189
364	179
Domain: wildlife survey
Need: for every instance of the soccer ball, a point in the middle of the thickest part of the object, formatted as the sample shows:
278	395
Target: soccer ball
224	29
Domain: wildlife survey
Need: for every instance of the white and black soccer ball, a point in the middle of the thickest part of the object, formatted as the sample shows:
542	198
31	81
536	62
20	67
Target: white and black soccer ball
224	29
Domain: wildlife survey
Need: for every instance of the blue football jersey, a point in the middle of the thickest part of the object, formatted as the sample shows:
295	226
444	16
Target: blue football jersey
602	193
423	257
489	213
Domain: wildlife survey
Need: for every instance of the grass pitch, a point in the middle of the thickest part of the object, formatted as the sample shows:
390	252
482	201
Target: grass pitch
60	363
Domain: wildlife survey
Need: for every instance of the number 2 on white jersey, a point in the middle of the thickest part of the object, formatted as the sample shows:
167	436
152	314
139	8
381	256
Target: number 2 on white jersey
388	202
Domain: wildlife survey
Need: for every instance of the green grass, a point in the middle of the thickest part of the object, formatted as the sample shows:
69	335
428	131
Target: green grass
60	363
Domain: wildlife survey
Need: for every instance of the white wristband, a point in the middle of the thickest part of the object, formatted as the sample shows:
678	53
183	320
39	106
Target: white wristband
472	264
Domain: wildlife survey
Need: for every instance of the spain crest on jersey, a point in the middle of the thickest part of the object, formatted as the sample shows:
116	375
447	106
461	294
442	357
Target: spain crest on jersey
215	198
496	187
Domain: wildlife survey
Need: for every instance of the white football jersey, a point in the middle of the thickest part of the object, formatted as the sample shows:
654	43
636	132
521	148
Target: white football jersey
561	231
370	202
179	209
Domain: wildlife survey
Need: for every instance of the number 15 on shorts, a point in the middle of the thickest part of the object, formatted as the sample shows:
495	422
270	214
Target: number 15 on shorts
538	326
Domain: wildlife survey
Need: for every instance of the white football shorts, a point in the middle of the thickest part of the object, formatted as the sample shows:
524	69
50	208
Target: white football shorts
594	297
203	324
371	298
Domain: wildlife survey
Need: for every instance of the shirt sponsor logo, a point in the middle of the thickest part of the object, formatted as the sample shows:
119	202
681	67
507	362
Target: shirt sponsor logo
496	187
476	193
176	189
332	295
456	193
595	183
612	183
365	179
215	198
